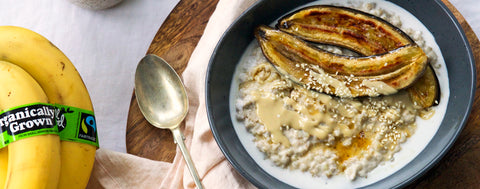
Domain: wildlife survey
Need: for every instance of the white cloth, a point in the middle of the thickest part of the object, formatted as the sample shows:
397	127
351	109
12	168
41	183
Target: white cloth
104	45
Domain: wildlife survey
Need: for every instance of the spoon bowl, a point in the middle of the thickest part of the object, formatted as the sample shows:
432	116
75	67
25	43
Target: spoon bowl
163	101
160	93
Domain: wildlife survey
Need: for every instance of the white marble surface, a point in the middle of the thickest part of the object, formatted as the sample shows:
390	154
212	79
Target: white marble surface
106	45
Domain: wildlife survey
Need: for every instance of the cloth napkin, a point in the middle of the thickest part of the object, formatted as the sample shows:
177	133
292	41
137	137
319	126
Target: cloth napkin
119	170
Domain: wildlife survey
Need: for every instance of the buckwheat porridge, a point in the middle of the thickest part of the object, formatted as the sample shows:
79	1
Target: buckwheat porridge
326	136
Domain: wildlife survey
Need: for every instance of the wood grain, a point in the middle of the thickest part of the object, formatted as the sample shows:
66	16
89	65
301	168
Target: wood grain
176	40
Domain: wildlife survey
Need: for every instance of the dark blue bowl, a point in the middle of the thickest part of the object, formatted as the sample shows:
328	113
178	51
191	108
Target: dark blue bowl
434	15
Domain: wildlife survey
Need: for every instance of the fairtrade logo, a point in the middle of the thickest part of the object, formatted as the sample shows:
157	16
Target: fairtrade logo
88	128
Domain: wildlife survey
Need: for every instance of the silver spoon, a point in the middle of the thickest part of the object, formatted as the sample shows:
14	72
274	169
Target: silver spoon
163	101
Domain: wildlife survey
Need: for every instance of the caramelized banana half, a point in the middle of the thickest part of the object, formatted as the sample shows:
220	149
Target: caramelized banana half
361	32
342	76
352	29
426	91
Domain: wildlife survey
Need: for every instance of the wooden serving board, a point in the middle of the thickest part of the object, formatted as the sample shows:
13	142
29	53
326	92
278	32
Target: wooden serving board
177	38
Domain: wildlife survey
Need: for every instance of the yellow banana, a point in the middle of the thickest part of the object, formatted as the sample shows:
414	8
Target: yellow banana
3	165
33	162
62	84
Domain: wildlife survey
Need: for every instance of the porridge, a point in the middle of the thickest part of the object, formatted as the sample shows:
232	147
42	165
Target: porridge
300	129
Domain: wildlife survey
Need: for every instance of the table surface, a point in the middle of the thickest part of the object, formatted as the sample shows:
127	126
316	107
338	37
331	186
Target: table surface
176	40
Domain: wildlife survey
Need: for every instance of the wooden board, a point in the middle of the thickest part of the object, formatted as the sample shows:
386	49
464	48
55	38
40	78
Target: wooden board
177	38
175	41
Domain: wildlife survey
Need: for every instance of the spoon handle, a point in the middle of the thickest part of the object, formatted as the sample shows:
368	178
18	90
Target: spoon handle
178	137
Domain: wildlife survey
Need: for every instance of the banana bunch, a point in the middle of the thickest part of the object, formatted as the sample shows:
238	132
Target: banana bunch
33	70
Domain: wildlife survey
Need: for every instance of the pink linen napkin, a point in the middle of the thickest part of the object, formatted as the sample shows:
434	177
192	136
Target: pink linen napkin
120	170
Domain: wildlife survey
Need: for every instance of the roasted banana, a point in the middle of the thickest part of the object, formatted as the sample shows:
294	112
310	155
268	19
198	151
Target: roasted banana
358	31
343	76
361	32
426	91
